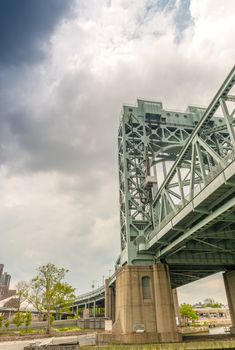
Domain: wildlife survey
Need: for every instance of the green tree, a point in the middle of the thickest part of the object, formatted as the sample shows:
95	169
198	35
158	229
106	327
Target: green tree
187	313
50	289
1	321
18	319
64	296
7	324
28	320
209	302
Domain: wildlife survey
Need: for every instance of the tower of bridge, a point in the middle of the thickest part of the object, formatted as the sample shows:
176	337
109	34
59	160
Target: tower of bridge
177	213
177	184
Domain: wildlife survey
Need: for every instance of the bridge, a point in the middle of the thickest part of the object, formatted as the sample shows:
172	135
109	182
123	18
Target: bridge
177	203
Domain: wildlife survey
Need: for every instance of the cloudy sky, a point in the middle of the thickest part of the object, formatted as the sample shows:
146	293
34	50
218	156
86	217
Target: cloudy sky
66	68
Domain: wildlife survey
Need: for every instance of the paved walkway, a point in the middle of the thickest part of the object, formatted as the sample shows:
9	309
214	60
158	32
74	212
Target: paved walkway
86	339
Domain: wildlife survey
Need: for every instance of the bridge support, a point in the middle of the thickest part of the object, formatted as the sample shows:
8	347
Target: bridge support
165	311
144	305
176	306
109	301
229	282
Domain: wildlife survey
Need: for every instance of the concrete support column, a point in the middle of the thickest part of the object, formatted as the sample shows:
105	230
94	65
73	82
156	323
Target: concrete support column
113	303
108	300
164	305
229	283
176	305
86	313
94	306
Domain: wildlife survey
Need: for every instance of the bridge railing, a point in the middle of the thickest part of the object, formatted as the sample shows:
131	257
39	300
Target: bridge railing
206	153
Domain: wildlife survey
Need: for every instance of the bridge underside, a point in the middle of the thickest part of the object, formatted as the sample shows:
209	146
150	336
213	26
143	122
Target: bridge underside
203	242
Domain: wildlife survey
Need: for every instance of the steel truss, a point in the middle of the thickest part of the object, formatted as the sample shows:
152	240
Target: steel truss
201	146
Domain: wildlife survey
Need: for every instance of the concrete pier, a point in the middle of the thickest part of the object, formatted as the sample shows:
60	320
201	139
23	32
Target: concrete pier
109	301
229	283
164	304
144	305
176	306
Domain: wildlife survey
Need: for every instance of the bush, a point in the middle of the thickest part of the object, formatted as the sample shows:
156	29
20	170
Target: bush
18	319
28	320
7	324
1	321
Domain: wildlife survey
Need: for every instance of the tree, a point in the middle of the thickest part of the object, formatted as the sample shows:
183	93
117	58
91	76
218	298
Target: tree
21	292
7	324
28	320
187	313
50	290
1	321
63	298
35	297
209	302
18	319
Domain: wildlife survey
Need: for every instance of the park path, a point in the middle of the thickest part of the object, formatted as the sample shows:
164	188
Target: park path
86	339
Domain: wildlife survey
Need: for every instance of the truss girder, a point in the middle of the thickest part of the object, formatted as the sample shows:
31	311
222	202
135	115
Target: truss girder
209	158
201	147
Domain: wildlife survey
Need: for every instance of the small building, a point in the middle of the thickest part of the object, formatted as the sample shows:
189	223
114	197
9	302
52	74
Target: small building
213	313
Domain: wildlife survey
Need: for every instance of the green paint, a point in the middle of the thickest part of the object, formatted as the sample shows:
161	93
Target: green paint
201	147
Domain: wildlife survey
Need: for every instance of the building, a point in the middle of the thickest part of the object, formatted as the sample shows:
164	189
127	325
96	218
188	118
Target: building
5	279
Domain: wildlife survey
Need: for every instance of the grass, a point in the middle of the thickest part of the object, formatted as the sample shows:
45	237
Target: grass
22	332
68	329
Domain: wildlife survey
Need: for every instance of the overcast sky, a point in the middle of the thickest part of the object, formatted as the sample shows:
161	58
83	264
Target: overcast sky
66	68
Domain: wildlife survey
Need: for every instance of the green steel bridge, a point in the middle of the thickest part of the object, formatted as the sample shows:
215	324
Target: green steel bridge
177	184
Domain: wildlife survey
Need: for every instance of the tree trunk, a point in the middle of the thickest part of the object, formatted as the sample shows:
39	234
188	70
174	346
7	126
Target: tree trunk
48	320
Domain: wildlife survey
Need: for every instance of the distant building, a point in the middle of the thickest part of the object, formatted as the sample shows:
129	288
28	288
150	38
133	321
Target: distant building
5	279
210	312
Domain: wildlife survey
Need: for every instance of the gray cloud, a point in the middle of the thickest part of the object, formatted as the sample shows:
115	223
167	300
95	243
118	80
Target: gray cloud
25	26
59	121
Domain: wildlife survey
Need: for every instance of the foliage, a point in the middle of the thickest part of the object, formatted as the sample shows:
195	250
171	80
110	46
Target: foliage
64	296
7	324
99	311
21	292
18	319
187	313
52	319
1	321
35	297
28	319
209	302
48	291
68	329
